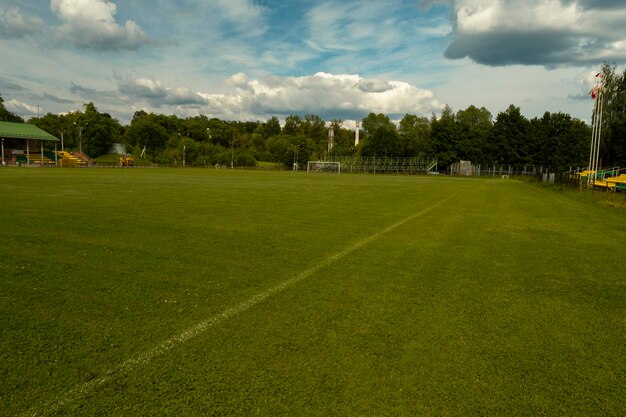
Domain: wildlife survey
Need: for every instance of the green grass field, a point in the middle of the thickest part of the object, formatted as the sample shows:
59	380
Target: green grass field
153	292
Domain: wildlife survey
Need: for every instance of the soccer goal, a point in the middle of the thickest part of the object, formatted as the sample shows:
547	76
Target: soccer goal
323	166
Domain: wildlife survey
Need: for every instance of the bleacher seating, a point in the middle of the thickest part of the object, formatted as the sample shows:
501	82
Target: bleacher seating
33	158
38	160
619	181
585	173
69	160
82	158
606	178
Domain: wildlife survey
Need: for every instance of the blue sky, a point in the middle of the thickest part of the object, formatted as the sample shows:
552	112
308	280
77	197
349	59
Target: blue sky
250	60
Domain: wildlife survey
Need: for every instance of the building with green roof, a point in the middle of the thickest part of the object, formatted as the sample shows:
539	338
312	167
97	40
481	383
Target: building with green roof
20	142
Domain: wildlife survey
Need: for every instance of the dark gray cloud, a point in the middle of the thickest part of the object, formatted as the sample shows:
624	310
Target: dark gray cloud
539	48
374	86
550	33
182	96
91	94
56	99
6	84
157	94
83	91
143	88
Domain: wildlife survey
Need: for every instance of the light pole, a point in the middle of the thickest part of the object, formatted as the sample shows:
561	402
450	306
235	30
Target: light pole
2	151
80	136
184	147
61	132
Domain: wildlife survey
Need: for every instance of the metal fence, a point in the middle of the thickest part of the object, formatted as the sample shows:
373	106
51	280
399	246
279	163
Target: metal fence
466	168
385	165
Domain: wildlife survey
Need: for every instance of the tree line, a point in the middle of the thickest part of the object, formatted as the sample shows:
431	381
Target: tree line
555	139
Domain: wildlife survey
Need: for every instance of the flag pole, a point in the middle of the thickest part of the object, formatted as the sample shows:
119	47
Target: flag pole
593	140
596	130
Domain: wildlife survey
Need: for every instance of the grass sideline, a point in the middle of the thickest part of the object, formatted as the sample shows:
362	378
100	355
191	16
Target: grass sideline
507	299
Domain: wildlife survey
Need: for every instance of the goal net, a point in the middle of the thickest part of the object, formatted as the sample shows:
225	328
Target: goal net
323	166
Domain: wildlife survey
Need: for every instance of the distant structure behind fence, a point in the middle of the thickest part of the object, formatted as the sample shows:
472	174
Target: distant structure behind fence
546	174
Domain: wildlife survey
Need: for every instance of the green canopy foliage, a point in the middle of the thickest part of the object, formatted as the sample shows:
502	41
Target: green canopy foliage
613	140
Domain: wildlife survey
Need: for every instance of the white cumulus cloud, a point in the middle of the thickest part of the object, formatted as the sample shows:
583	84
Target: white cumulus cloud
21	108
331	96
91	24
341	96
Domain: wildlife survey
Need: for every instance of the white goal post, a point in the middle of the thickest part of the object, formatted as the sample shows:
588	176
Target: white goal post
323	166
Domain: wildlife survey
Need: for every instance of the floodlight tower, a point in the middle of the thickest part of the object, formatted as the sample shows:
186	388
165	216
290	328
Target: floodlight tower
356	135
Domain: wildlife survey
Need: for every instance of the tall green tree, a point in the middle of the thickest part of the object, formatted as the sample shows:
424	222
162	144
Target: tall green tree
373	121
509	138
49	122
286	148
99	131
270	128
474	128
560	141
292	125
314	128
222	133
381	136
613	141
146	131
89	130
196	128
383	142
414	134
444	136
344	139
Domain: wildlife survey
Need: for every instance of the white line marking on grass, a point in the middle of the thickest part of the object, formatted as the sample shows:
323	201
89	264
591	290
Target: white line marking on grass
82	390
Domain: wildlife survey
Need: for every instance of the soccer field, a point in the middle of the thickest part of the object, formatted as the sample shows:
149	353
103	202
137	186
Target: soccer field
195	292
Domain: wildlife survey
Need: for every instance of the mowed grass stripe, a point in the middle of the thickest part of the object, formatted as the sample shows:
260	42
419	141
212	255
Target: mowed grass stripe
133	363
